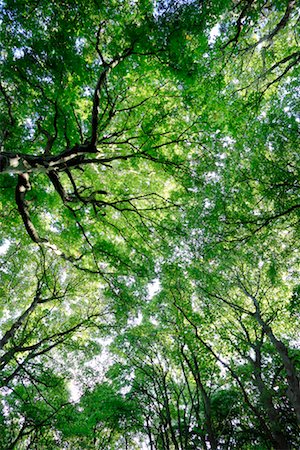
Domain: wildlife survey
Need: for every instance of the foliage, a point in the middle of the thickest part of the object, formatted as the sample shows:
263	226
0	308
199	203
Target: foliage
149	233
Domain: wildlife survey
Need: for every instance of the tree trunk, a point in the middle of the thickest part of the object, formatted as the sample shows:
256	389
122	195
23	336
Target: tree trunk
280	439
291	375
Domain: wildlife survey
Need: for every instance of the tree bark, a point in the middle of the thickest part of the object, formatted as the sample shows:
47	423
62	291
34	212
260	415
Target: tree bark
18	163
266	398
291	373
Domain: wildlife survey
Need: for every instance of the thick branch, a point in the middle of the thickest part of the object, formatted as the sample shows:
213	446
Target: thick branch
11	332
9	104
239	24
280	25
100	84
22	187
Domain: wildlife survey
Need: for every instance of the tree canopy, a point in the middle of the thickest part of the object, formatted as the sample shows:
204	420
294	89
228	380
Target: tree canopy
149	210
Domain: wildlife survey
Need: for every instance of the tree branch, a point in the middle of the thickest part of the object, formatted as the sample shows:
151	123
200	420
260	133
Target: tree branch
22	187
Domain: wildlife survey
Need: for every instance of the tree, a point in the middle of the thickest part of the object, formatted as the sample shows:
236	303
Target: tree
45	322
83	110
149	216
